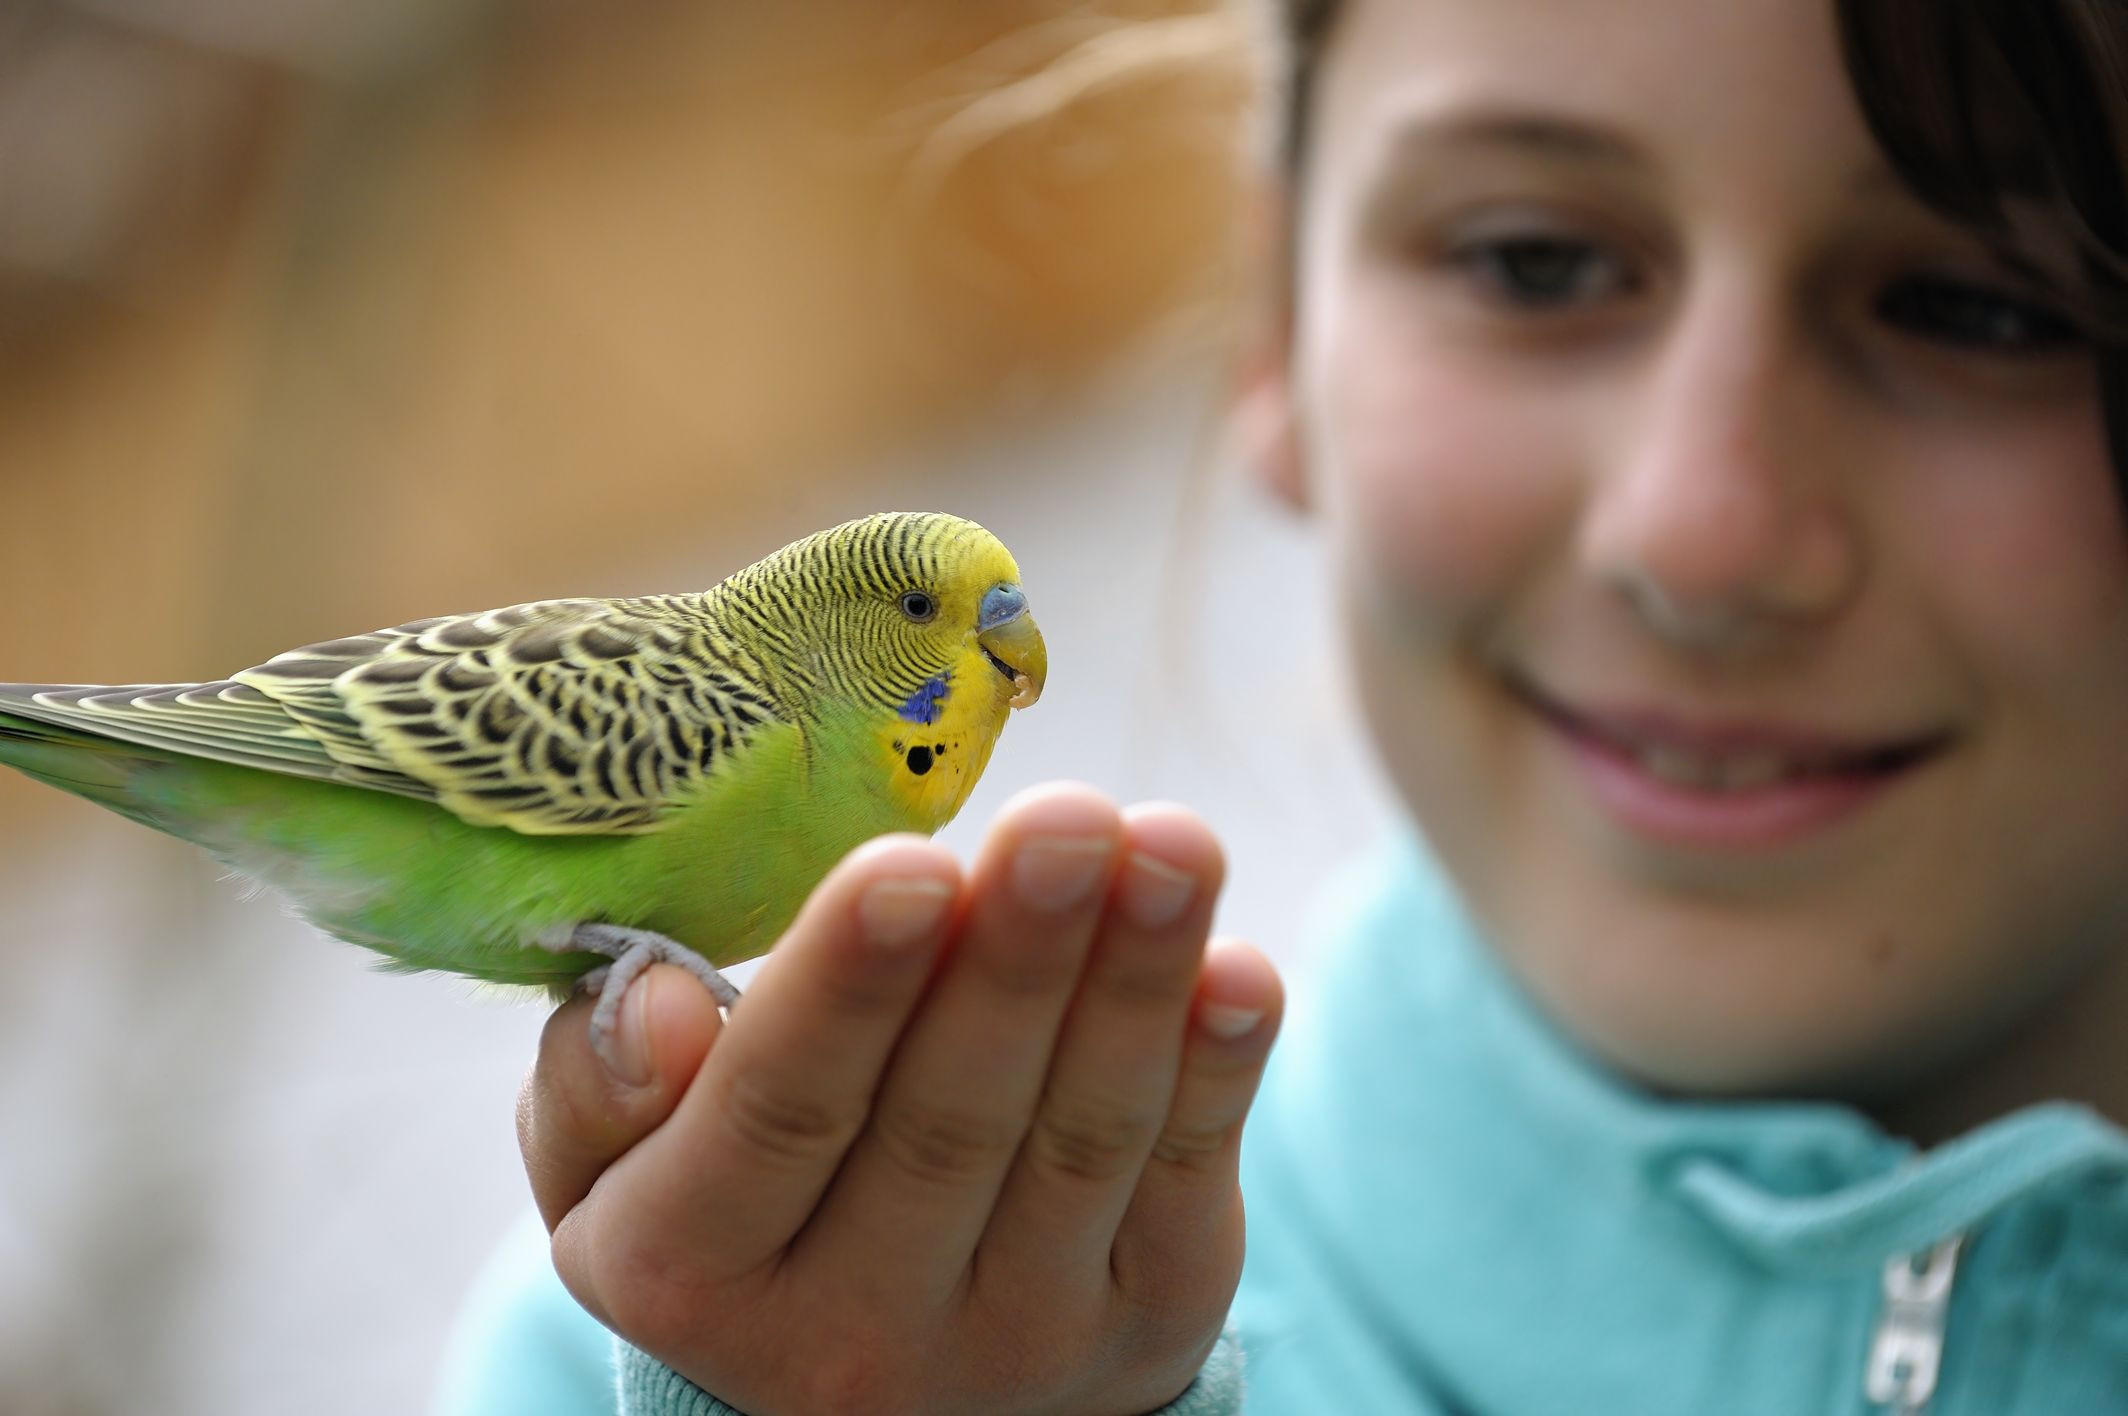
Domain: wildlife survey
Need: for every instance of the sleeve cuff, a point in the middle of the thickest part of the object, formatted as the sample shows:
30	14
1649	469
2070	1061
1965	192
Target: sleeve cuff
648	1387
1217	1390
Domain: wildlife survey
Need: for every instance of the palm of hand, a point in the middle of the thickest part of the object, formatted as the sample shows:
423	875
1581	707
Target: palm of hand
964	1146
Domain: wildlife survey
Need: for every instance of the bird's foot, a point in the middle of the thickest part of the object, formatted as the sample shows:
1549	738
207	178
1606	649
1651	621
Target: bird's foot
632	951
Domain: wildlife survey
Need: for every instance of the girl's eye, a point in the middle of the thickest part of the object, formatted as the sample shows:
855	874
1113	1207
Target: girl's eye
1543	271
919	606
1964	315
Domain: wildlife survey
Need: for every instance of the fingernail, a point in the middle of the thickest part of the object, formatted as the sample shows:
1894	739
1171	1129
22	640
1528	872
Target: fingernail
1224	1020
904	910
1054	872
1153	892
631	1037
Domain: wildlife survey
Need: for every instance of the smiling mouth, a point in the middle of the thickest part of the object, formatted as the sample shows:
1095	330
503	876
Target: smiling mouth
1730	759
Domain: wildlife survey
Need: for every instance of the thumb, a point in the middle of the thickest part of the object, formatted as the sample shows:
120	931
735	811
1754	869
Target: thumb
575	1117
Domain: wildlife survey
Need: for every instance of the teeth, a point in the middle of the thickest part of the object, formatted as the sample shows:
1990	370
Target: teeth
1677	768
1754	769
1714	774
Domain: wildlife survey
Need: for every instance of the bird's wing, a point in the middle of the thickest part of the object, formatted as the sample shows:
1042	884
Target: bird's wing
225	721
560	717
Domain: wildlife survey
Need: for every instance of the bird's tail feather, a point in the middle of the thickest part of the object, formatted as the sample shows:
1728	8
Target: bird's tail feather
96	768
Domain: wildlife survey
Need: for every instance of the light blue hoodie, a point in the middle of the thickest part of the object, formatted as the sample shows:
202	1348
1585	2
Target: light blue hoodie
1451	1211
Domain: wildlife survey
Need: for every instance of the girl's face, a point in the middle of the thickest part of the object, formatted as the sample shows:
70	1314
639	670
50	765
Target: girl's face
1734	571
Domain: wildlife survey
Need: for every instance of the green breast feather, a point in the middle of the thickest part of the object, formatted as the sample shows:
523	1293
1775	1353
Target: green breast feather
506	794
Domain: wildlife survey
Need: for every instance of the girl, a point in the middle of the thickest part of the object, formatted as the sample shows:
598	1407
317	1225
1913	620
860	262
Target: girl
1708	405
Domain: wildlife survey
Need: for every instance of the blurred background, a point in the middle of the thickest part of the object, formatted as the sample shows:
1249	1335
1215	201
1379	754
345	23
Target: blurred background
318	315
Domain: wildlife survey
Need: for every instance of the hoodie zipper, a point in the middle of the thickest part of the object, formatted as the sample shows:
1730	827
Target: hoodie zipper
1906	1353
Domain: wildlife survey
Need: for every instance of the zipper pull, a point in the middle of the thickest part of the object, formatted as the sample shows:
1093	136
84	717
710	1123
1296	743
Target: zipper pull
1907	1352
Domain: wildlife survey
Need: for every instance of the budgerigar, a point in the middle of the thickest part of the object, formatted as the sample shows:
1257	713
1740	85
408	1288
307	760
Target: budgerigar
530	794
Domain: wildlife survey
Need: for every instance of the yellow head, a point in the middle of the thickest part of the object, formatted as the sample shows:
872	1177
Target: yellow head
909	629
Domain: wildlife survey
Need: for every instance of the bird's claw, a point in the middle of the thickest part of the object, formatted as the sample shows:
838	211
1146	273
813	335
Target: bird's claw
632	951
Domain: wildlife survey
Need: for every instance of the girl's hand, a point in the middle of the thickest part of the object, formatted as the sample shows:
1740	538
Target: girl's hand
964	1146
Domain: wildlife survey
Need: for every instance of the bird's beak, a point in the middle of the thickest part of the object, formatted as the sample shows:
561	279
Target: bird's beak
1007	633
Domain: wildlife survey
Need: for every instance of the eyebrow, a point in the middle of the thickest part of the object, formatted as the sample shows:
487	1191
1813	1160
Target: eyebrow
1526	130
1455	130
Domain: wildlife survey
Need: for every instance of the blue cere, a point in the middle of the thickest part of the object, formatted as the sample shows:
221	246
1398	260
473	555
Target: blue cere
927	702
1003	603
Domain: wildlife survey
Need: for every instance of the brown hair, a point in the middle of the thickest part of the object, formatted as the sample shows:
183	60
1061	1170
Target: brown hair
2009	116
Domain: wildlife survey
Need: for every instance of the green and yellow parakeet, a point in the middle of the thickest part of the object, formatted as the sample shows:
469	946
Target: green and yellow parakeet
526	794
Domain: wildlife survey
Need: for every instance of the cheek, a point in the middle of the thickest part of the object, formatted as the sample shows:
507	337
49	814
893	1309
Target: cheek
2026	556
1441	481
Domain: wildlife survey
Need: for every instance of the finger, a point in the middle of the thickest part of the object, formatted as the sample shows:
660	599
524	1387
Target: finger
575	1117
752	1145
1184	1222
922	1179
1113	1079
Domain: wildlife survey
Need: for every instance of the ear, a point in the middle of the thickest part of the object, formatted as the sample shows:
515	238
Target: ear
1262	427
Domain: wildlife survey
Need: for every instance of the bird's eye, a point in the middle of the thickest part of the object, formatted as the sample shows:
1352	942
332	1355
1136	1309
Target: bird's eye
919	606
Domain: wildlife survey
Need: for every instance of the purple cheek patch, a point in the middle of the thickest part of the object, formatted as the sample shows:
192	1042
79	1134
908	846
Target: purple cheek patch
924	704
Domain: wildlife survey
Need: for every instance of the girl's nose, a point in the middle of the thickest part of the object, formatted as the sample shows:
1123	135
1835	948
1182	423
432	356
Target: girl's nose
1720	517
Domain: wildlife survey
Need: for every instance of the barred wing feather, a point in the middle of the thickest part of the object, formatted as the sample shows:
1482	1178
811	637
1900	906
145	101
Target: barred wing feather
559	717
